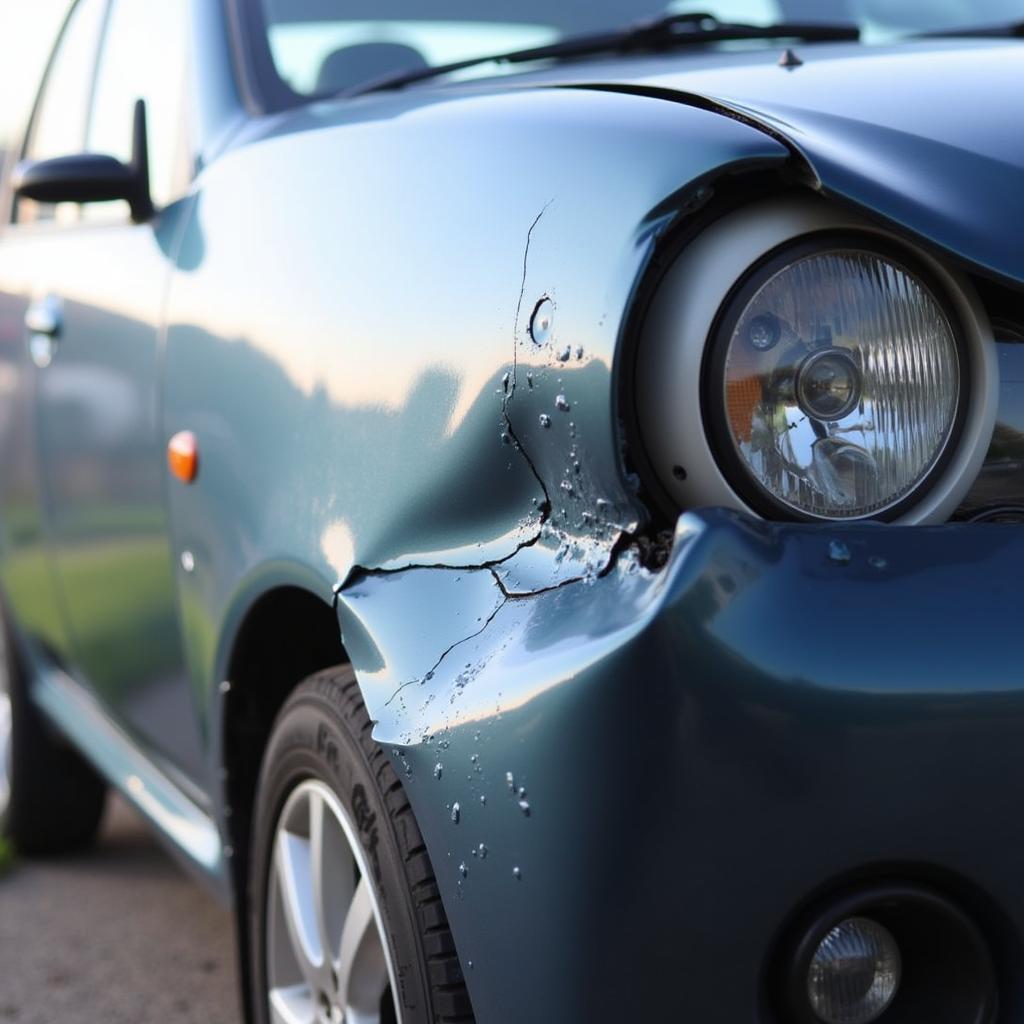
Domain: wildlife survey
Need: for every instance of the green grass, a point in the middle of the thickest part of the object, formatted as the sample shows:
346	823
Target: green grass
122	594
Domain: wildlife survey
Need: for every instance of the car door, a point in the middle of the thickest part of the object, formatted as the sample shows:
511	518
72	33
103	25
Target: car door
98	286
58	127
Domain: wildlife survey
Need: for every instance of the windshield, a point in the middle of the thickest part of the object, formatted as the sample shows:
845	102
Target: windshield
321	47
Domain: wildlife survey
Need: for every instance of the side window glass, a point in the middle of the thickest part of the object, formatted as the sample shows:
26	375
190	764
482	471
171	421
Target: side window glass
143	57
58	128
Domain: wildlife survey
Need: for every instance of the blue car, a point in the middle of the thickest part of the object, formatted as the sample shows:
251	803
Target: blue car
526	498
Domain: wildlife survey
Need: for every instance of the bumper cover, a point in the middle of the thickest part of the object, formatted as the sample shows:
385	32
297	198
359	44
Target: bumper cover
701	751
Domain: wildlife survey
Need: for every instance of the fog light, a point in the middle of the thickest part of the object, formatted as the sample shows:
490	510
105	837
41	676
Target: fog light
854	973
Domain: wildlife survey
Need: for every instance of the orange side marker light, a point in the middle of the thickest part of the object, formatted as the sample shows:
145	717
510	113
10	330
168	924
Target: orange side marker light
183	456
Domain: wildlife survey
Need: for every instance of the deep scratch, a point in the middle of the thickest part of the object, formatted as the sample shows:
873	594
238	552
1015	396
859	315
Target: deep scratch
358	572
437	664
519	304
361	572
545	510
613	555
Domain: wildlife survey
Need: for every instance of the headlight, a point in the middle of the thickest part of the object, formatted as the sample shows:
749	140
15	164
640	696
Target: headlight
834	384
798	363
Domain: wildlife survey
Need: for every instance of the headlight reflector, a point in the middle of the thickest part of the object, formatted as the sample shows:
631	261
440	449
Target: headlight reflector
840	376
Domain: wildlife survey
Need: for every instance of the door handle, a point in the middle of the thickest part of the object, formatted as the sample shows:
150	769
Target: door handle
43	322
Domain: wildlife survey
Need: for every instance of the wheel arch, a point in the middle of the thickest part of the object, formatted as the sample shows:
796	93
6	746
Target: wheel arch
280	636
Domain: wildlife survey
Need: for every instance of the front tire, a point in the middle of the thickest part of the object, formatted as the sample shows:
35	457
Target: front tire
51	800
347	921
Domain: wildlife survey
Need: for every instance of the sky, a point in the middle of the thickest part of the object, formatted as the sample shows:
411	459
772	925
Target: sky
27	32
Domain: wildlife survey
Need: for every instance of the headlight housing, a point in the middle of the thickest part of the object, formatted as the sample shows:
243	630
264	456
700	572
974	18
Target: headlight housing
834	384
797	362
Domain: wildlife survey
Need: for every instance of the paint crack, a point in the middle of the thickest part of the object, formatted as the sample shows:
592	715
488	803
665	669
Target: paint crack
444	654
545	508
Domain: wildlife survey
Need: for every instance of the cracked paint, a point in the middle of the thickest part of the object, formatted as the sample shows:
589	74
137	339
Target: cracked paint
509	389
471	648
462	616
444	654
575	538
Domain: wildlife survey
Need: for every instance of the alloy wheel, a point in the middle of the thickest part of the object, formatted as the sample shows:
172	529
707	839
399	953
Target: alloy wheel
327	959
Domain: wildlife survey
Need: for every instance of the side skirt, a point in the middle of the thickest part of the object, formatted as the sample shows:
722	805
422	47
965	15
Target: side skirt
188	830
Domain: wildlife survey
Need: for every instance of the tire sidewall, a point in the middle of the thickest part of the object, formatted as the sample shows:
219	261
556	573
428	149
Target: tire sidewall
315	738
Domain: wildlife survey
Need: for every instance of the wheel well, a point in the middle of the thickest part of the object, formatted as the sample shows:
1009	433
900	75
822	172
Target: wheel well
286	636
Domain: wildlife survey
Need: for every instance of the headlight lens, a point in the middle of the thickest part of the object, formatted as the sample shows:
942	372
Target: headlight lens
855	973
840	379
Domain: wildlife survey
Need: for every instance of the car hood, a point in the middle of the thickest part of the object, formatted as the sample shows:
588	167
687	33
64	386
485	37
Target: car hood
925	134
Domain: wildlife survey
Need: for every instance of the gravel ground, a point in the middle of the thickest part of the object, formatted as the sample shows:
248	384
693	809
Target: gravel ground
119	934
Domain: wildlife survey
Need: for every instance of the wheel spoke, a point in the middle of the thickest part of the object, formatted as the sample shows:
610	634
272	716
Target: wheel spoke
362	967
334	874
326	958
293	863
292	1005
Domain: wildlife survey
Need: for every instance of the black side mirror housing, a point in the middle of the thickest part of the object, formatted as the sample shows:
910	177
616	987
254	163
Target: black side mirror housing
84	178
92	177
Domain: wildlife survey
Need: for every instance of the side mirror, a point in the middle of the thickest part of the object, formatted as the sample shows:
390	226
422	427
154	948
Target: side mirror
91	177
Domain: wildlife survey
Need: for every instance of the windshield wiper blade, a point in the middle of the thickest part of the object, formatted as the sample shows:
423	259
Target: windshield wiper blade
1009	30
647	36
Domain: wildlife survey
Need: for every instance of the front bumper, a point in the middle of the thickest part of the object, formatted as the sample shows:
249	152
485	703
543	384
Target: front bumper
703	750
